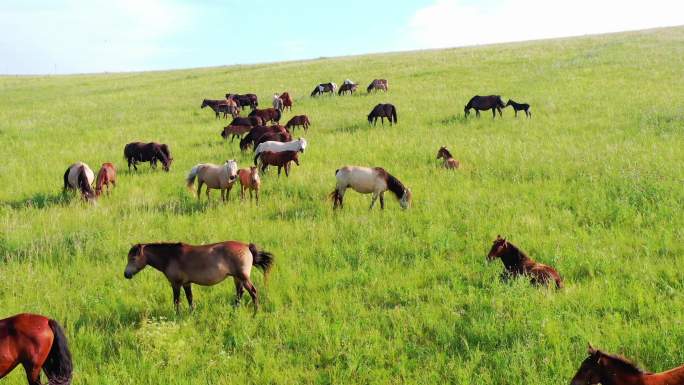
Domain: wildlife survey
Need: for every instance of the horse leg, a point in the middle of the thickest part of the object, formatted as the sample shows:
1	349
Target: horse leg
188	296
242	193
223	194
375	197
208	189
239	290
287	169
252	293
279	167
32	373
199	189
382	200
500	114
176	296
230	187
493	113
477	113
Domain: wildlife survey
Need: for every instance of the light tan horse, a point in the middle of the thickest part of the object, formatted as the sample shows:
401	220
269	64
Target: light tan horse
80	177
249	180
367	180
214	176
449	161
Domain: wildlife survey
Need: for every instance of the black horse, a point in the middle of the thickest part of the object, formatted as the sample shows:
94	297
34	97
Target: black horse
520	107
483	103
383	111
147	152
246	100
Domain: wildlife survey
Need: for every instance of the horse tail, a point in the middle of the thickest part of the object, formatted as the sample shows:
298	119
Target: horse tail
58	365
66	178
261	259
394	114
559	281
256	157
190	179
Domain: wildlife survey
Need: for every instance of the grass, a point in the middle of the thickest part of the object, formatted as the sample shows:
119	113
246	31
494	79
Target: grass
591	185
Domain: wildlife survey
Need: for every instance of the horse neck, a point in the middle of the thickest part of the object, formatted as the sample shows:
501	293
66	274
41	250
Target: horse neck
615	376
395	186
514	258
158	255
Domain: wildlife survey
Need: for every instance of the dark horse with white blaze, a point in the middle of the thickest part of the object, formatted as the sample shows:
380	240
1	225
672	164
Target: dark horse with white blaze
383	111
483	103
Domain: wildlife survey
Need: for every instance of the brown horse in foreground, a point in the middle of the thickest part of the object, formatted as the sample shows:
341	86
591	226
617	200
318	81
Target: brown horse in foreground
518	263
608	369
37	343
449	161
106	176
280	159
205	265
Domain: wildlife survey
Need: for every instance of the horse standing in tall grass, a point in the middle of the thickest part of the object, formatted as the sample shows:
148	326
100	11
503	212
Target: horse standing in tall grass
214	176
249	180
205	265
483	103
517	263
519	107
347	87
251	121
37	343
267	114
245	100
383	111
278	103
287	101
367	180
219	106
281	137
378	85
298	145
147	152
105	177
449	161
234	131
80	177
257	132
279	159
299	120
323	88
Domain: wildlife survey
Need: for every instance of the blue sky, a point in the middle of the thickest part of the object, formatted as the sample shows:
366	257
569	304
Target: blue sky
74	36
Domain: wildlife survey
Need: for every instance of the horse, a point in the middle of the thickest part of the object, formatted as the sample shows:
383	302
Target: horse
449	161
205	265
382	111
610	369
367	180
347	88
251	121
245	100
323	88
299	120
519	107
147	152
224	106
106	176
214	176
257	132
249	180
278	103
378	84
230	107
280	159
298	145
235	131
517	263
37	343
80	177
273	137
287	100
267	114
483	103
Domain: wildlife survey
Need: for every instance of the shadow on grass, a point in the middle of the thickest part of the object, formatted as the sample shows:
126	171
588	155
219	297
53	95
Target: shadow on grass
352	128
453	120
41	200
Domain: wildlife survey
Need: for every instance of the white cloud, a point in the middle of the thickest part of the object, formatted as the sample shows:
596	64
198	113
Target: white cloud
451	23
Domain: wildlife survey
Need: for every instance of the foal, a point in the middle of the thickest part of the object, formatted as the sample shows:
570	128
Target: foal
105	176
449	161
249	180
518	263
519	107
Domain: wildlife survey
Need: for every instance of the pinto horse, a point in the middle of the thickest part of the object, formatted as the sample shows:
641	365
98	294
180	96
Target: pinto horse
383	111
517	263
205	265
324	88
267	114
347	87
37	343
257	132
147	152
519	107
249	180
367	180
105	177
287	101
246	100
610	369
299	120
214	176
378	84
483	103
280	159
80	177
449	161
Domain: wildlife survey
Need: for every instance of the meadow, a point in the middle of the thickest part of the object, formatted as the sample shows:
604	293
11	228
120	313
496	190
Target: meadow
593	184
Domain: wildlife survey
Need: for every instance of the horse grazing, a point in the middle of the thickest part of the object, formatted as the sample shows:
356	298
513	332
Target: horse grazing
147	152
383	111
225	106
249	180
347	87
298	145
278	103
37	343
324	88
519	107
449	161
257	132
517	263
246	100
80	177
251	121
105	177
273	137
214	176
287	100
235	131
267	114
205	265
367	180
299	120
280	159
483	103
378	84
610	369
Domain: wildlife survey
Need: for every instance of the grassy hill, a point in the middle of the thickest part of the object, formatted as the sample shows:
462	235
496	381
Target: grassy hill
592	185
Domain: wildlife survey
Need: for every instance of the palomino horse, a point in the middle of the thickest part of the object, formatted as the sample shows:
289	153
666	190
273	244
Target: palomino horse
205	265
383	111
278	103
105	177
608	369
80	177
267	114
324	88
287	100
520	107
517	263
367	180
37	343
147	152
249	180
279	159
294	145
449	161
299	120
215	177
483	103
378	84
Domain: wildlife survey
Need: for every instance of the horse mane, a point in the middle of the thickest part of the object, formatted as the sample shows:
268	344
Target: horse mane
515	251
393	184
624	364
83	181
447	152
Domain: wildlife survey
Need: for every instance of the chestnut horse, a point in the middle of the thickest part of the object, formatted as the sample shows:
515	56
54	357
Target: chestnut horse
105	176
280	159
367	180
299	120
608	369
205	265
147	152
37	343
483	103
378	84
287	100
251	121
383	111
517	263
449	161
249	180
80	177
267	114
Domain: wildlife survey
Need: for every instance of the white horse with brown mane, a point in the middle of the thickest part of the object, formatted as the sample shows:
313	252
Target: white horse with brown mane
215	177
80	177
369	180
274	146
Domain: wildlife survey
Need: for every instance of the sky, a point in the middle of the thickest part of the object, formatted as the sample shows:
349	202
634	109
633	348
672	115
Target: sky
91	36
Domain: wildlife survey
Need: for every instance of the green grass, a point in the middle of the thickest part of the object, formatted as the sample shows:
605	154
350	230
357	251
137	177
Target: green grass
592	185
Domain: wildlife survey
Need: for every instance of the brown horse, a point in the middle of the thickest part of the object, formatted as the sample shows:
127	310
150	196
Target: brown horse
251	121
347	87
105	177
449	161
287	101
147	152
205	265
267	114
608	369
280	159
383	111
225	106
272	137
378	84
249	180
483	103
299	120
257	132
517	263
234	131
246	100
37	343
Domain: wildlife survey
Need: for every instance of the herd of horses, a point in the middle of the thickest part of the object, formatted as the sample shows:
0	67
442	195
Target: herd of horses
39	343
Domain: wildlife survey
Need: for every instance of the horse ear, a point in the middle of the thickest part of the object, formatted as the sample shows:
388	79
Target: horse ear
590	349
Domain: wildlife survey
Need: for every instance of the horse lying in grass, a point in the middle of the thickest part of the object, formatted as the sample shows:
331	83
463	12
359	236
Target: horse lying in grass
214	176
519	107
280	159
517	263
205	265
483	103
249	180
80	177
367	180
449	161
105	177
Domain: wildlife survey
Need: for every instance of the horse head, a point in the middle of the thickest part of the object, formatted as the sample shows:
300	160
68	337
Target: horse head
136	260
254	175
204	103
499	247
231	169
589	372
406	198
302	144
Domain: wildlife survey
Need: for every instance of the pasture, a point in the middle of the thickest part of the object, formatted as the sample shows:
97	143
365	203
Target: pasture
593	185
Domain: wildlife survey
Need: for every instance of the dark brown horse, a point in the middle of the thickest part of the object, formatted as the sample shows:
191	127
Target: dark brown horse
251	121
449	161
255	133
323	88
520	107
205	265
517	263
246	100
608	369
383	111
378	84
147	152
221	106
287	100
267	114
37	343
105	177
280	159
483	103
299	120
347	87
234	131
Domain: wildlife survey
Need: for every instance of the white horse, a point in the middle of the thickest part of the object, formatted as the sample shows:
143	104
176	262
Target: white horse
367	180
214	176
274	146
80	177
278	103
